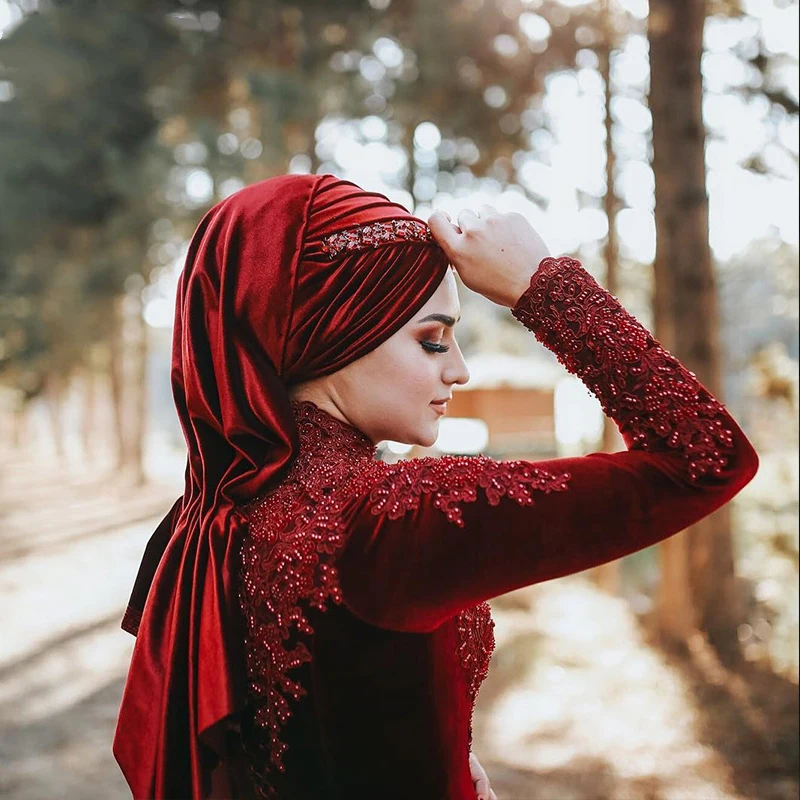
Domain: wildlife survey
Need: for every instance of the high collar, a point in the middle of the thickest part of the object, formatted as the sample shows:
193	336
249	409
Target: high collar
323	434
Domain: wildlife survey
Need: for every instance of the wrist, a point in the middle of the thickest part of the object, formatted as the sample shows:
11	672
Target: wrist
521	285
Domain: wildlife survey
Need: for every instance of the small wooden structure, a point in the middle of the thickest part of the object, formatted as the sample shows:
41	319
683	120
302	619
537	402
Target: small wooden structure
515	397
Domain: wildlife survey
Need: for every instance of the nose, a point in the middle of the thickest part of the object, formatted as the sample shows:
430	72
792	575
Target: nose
456	370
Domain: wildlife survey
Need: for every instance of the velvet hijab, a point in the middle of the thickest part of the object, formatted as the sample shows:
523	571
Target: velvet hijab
262	304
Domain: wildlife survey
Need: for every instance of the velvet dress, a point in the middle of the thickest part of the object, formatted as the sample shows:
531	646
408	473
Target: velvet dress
364	584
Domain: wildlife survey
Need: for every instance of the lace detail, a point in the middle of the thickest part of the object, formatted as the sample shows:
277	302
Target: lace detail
287	562
376	234
324	436
475	647
456	479
653	398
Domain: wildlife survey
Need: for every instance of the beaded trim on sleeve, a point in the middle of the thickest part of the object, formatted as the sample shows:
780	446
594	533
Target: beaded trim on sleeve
375	234
653	398
454	480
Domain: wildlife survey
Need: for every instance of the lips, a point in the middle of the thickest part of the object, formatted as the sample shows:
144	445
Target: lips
439	405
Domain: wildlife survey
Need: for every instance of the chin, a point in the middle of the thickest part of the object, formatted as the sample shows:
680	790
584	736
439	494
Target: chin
429	439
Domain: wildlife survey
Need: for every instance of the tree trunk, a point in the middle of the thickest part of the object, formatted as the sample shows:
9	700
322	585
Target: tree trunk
54	402
138	435
698	577
19	422
116	372
411	177
89	418
607	576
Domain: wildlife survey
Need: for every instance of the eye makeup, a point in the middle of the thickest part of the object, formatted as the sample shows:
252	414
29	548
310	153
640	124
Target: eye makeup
432	347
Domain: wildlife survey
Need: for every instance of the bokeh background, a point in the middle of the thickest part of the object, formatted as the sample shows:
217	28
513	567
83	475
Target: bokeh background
657	143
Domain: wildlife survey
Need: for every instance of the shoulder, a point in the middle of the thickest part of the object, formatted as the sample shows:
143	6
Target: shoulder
447	481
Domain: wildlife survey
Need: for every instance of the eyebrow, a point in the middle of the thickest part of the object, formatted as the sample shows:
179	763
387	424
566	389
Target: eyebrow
443	318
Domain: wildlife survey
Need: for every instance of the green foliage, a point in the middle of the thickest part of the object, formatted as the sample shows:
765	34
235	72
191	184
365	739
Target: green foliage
115	105
75	210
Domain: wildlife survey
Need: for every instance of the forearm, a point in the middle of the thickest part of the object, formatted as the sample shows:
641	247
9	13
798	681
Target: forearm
655	401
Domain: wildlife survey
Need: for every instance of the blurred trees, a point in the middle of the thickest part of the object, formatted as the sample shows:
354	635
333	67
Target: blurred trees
78	170
113	110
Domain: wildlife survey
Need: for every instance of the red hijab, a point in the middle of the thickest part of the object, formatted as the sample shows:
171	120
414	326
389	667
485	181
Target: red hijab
286	280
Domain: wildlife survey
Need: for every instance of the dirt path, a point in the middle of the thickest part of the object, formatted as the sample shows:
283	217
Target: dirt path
70	545
577	706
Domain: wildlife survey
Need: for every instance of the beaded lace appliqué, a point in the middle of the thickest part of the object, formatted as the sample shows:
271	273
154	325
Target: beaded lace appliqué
456	479
647	391
476	643
375	234
287	563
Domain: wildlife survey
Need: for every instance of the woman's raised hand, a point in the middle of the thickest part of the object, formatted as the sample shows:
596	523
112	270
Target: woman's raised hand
494	253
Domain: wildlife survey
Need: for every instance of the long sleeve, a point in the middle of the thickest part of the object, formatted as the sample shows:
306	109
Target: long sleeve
434	536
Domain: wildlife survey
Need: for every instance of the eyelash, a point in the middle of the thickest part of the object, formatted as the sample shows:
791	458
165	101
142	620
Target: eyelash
432	347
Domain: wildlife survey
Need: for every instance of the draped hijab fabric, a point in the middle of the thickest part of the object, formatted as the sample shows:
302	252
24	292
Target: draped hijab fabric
261	306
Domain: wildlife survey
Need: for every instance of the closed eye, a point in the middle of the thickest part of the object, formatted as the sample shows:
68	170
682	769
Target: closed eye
432	347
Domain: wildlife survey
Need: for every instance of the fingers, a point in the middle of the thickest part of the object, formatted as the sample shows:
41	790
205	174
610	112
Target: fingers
467	219
482	789
448	234
480	778
443	230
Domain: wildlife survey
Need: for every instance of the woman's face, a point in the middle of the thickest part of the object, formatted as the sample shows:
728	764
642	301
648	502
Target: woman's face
388	394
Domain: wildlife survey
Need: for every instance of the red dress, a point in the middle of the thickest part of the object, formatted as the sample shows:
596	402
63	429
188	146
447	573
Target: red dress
364	583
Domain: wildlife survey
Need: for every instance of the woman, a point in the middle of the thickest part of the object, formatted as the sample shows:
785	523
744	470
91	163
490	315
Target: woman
312	621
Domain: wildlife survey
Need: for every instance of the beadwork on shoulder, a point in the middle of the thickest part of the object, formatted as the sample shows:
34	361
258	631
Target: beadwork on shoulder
395	489
647	391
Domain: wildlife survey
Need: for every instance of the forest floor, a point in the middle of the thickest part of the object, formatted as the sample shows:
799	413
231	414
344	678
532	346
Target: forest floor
581	704
578	704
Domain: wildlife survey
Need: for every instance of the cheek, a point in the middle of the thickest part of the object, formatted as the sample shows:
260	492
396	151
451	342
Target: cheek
419	369
400	376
